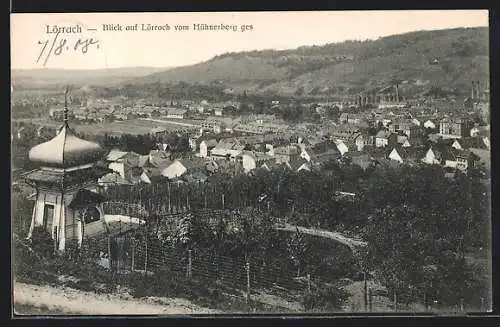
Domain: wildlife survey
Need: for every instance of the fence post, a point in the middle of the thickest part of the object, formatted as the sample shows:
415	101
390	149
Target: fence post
425	300
146	256
365	292
248	283
133	256
370	300
189	267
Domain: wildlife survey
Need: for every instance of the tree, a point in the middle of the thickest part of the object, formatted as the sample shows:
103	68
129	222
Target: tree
297	250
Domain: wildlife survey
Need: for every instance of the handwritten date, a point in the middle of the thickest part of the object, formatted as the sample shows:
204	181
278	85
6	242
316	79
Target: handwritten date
58	46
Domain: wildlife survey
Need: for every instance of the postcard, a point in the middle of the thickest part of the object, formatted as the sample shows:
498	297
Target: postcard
251	162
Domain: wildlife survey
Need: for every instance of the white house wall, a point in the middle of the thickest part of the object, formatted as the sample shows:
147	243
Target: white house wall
394	155
203	150
118	167
450	163
248	163
430	158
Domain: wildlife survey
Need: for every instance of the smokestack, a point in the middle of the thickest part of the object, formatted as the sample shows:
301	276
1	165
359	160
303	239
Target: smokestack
472	91
397	93
478	90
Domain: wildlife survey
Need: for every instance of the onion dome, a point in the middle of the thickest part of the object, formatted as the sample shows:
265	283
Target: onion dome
65	150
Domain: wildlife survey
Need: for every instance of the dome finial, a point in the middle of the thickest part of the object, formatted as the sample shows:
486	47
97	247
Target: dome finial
66	105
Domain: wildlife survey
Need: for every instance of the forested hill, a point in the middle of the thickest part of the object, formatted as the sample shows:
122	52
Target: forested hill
448	59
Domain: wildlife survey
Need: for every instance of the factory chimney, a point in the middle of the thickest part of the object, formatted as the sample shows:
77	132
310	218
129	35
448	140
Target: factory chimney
478	91
473	91
397	92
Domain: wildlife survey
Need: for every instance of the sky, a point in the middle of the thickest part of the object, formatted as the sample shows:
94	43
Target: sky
32	37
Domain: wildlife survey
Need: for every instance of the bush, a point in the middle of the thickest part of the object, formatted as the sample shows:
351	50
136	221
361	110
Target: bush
325	299
42	242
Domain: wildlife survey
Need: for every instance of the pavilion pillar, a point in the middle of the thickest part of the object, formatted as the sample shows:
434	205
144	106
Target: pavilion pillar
79	228
33	215
61	234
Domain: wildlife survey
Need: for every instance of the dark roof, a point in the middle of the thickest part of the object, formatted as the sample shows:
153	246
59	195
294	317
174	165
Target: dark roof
85	197
383	134
453	154
114	178
409	152
67	178
325	156
296	163
194	163
446	142
211	143
472	142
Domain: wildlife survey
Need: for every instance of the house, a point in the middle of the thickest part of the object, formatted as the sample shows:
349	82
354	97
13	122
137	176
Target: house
206	146
285	153
484	157
474	132
122	162
272	165
350	118
404	154
298	164
180	167
455	127
212	125
470	142
459	159
362	140
406	127
154	163
227	149
218	111
176	169
158	131
176	113
342	147
320	155
345	132
385	138
429	124
111	179
251	160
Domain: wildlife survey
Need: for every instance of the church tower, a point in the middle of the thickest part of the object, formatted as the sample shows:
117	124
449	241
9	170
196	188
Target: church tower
68	204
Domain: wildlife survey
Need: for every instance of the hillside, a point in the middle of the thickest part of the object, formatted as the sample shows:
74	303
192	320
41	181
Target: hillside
347	67
47	77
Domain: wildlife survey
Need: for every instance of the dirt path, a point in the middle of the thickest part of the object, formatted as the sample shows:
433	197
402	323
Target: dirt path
71	301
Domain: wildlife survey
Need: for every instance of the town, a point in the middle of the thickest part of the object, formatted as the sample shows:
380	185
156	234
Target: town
225	187
380	127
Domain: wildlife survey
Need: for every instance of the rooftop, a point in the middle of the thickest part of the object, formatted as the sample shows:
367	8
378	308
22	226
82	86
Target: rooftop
66	150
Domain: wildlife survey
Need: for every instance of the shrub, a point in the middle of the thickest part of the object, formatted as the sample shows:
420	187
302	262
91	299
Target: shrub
325	299
42	242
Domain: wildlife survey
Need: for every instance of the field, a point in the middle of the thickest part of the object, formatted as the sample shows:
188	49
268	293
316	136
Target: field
135	126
